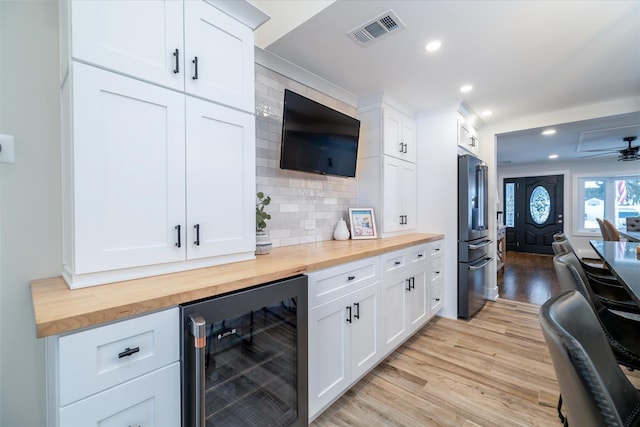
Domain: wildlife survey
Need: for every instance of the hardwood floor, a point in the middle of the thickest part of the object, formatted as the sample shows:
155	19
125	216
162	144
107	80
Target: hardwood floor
491	370
528	278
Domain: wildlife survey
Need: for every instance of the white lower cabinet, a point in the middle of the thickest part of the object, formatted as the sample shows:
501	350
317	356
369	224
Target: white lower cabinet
344	334
361	311
123	373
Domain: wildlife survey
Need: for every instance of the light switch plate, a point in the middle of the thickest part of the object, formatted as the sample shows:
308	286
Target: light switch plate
7	149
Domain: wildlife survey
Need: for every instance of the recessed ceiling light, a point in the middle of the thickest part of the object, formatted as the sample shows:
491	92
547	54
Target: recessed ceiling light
549	132
487	113
466	88
553	156
433	46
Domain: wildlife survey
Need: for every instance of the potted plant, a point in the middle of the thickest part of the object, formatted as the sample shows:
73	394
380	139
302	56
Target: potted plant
263	242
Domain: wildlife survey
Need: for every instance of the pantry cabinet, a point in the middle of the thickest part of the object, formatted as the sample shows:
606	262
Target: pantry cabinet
158	138
386	167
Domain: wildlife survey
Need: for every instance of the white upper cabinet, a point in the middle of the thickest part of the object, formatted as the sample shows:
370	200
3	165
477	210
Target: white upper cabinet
218	57
399	132
137	38
190	46
467	136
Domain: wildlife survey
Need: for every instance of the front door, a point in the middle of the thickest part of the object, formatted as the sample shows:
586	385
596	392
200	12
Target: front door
533	212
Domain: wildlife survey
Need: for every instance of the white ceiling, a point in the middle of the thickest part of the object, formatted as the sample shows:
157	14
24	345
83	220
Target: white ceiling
522	57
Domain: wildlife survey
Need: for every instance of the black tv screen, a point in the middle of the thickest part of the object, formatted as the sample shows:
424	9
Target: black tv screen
317	139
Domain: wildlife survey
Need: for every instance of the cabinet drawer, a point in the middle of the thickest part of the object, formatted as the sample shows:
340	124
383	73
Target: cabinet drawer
435	295
417	255
394	262
436	269
334	282
153	399
96	359
435	249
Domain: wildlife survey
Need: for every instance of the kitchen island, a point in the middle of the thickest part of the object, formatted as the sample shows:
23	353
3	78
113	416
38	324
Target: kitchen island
59	309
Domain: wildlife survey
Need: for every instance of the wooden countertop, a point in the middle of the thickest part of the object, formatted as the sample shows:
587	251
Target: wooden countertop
59	309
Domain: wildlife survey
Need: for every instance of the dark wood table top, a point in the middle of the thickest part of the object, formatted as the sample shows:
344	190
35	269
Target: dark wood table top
624	262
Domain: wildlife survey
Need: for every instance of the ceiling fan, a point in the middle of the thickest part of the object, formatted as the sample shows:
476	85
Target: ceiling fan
628	154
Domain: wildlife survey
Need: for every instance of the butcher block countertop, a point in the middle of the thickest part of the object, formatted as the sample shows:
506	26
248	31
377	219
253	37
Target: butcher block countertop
59	309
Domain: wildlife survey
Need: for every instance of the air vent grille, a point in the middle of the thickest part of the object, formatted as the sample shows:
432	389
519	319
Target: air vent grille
376	28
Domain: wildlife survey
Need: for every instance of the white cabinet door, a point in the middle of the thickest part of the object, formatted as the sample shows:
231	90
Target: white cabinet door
128	171
418	300
399	136
220	180
329	353
467	138
394	327
137	38
409	195
409	139
392	136
366	348
150	400
392	208
218	56
399	210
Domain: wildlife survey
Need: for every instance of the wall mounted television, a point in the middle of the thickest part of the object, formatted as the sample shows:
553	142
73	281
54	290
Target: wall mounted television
317	139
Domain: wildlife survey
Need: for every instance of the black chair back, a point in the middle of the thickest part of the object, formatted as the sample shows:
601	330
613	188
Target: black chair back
594	389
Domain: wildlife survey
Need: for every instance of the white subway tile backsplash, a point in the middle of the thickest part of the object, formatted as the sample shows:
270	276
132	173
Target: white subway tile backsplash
296	197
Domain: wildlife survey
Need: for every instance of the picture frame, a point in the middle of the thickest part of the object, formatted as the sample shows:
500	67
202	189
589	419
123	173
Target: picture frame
362	223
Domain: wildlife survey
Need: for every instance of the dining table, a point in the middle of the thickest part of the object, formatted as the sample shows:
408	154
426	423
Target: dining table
632	236
623	259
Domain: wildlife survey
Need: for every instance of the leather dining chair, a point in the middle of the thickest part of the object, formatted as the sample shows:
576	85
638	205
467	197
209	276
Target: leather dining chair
633	223
604	286
611	231
594	389
623	333
603	230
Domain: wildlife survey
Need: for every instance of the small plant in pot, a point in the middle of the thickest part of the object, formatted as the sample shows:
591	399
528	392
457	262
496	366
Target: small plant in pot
263	242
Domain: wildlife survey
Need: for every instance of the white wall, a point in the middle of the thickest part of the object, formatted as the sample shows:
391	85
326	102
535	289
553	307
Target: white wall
30	204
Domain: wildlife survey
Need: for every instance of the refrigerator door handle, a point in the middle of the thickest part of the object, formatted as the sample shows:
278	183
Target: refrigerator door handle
481	266
481	245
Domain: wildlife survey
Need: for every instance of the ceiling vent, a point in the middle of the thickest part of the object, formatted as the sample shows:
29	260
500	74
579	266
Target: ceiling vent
376	28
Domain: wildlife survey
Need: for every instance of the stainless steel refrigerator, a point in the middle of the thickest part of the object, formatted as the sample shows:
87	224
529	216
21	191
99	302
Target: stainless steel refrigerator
473	242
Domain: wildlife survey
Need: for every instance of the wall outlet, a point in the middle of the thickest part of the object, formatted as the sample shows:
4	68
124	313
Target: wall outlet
310	224
7	149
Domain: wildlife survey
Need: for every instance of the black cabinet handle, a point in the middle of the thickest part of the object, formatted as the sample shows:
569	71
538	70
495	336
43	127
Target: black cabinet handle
197	227
437	272
405	148
195	62
413	282
349	318
397	263
420	255
408	284
357	305
177	227
437	299
176	53
351	278
401	145
128	352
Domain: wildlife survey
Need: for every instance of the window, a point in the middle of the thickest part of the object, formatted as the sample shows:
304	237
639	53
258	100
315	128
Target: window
613	198
510	203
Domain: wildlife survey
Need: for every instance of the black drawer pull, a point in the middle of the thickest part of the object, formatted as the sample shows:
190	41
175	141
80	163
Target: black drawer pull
437	299
397	263
197	227
437	272
195	63
178	244
408	284
351	277
176	53
349	318
128	352
357	306
420	255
